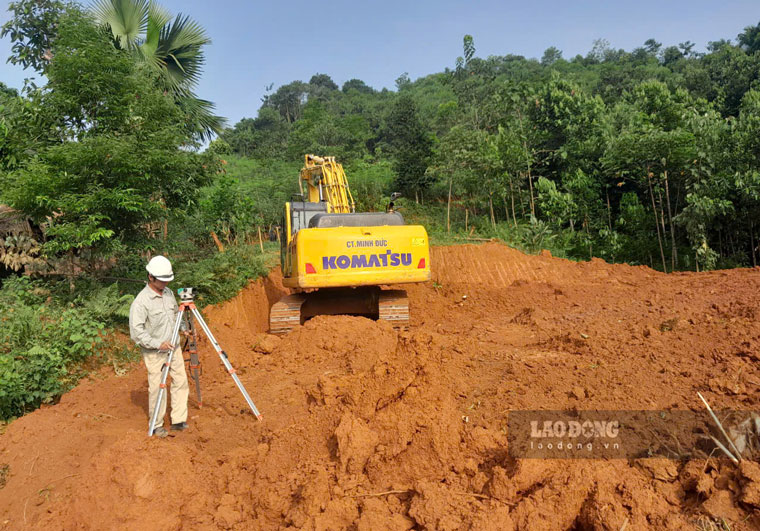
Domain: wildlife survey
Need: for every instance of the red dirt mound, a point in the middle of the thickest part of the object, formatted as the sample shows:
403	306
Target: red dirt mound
368	428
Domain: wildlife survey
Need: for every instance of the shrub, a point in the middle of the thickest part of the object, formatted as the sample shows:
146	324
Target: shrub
44	342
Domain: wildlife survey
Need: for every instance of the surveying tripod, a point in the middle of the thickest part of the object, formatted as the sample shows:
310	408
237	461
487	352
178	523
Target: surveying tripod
187	305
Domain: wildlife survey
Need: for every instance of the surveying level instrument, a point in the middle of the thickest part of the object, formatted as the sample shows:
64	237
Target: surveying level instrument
187	308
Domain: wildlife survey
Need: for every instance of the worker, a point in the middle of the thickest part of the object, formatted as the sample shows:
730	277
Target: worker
151	322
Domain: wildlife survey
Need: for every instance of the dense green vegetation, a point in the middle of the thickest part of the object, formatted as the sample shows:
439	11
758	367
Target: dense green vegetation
102	168
648	156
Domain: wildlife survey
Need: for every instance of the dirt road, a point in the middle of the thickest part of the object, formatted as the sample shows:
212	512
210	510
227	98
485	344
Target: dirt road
367	428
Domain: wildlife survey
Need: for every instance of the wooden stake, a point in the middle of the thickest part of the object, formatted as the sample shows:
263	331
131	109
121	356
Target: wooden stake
218	243
261	242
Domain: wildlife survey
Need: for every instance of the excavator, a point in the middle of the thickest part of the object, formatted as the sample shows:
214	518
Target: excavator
339	261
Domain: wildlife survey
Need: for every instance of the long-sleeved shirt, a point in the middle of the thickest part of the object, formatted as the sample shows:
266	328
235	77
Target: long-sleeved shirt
152	317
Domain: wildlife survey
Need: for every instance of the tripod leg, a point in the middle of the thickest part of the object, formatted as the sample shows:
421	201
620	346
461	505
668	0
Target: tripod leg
192	348
225	361
164	374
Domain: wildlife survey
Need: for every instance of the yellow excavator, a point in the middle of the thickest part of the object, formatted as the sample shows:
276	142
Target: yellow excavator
337	261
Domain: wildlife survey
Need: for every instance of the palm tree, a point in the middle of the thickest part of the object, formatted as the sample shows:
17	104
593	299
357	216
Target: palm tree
173	49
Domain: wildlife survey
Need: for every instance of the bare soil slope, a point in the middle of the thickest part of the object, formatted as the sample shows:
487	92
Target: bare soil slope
367	428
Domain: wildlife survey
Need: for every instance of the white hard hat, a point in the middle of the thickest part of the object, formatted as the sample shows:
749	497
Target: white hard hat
161	268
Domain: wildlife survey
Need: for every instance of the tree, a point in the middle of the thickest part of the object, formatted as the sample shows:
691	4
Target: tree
173	49
411	147
747	177
32	30
288	100
551	56
403	81
320	132
324	81
714	46
469	49
322	88
724	76
651	145
749	39
670	55
357	85
652	47
105	154
568	127
7	92
600	51
686	48
265	136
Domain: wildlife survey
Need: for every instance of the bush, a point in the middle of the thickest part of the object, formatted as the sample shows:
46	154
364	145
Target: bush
221	276
41	344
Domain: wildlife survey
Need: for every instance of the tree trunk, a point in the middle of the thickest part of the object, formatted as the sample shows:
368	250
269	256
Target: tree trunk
261	242
466	218
527	163
416	197
752	243
512	196
532	200
448	209
662	217
609	209
674	250
656	222
490	206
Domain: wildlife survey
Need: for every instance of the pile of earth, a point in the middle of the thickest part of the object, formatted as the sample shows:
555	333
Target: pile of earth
366	427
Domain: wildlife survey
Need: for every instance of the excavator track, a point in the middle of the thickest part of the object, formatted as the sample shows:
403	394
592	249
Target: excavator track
393	306
295	309
286	313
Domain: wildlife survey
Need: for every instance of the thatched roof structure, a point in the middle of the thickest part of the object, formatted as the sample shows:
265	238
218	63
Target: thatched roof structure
13	222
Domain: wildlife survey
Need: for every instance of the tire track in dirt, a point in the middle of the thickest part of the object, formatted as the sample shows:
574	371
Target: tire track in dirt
496	265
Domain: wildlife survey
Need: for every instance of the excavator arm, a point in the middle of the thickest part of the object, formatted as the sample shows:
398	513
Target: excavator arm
326	181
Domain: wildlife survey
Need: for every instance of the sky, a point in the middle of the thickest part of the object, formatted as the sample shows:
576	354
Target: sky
255	44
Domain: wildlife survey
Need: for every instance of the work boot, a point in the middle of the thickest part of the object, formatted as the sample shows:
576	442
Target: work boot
179	426
160	432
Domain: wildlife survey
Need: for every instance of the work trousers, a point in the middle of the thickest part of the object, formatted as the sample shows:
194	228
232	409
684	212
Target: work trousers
180	390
